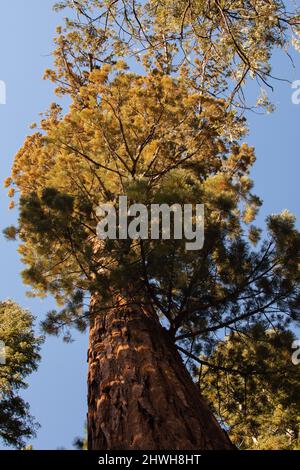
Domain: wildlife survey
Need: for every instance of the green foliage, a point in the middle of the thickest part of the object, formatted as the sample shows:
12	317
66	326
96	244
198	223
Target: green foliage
22	356
254	388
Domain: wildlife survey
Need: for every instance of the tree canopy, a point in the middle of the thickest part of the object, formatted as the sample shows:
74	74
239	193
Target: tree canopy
218	43
255	392
21	359
146	137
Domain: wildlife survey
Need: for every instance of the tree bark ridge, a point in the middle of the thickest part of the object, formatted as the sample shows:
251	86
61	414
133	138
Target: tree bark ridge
140	395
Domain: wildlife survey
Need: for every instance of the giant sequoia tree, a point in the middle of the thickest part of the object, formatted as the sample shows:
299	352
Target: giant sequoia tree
156	89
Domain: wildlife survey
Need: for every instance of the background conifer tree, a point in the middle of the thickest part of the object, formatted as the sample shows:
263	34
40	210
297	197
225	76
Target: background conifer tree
256	390
21	358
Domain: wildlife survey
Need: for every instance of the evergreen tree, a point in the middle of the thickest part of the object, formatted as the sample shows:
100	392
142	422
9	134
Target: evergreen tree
256	393
20	359
168	134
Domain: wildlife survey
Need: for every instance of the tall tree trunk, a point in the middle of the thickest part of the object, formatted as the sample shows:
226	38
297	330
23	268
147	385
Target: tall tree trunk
140	396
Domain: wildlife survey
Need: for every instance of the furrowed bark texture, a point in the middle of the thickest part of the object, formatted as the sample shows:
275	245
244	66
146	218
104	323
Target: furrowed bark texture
140	396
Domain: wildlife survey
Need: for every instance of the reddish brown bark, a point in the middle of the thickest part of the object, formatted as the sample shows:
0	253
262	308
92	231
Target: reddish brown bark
140	394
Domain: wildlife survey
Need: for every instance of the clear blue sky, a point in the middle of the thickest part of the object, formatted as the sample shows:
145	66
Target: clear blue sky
57	392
